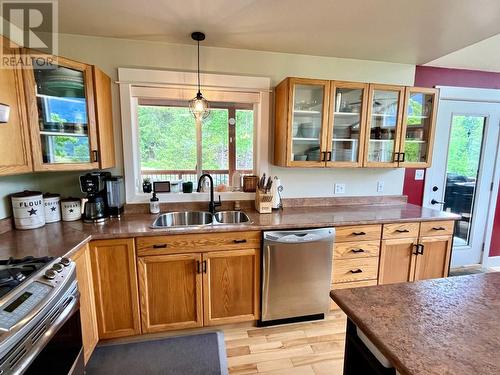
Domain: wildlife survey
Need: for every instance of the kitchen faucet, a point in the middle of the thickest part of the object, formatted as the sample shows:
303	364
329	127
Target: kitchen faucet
212	205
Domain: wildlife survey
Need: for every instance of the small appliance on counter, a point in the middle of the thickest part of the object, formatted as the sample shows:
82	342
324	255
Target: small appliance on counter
115	190
93	184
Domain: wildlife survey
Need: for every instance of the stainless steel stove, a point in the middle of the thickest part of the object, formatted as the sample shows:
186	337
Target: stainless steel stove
39	317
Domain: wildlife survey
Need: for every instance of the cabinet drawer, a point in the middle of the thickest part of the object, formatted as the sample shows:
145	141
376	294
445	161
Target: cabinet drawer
358	233
352	250
348	270
197	243
401	230
436	228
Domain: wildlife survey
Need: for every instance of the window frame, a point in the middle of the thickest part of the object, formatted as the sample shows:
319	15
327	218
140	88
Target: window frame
181	86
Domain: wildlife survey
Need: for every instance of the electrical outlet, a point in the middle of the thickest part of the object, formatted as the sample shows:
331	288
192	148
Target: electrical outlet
419	174
339	188
380	186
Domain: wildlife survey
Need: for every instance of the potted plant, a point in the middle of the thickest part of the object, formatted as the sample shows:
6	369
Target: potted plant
147	187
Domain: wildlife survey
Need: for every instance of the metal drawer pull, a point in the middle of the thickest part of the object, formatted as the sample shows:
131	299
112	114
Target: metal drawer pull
438	228
358	233
357	250
402	230
356	271
204	266
240	241
159	246
416	246
198	266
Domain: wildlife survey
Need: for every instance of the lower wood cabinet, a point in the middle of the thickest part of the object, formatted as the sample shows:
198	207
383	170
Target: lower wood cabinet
199	289
115	286
397	260
88	318
170	292
433	260
231	286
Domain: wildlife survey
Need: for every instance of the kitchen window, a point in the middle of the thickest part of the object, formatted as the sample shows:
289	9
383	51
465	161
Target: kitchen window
174	146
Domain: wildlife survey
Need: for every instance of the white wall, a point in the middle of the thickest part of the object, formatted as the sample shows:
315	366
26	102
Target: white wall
109	54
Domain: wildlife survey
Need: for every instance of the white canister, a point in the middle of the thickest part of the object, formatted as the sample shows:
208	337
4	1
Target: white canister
52	207
71	209
27	207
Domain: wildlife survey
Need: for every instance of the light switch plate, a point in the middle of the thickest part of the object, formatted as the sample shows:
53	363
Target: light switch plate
380	186
419	174
339	188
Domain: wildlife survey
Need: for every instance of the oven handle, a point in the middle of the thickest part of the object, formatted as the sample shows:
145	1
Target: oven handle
72	307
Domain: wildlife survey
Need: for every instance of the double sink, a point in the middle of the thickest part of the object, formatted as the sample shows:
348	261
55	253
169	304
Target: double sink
199	218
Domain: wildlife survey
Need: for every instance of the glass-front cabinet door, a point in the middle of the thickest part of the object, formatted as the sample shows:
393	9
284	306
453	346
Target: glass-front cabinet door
347	124
419	121
308	126
62	116
385	108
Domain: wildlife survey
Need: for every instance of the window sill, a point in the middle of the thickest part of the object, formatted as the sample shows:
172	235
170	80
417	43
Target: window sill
195	197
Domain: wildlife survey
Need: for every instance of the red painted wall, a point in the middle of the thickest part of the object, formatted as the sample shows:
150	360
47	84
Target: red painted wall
428	76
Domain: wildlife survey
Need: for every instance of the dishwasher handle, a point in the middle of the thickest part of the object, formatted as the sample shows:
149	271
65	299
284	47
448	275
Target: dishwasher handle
301	236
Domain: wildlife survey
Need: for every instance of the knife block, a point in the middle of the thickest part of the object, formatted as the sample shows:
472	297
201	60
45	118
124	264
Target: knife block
263	202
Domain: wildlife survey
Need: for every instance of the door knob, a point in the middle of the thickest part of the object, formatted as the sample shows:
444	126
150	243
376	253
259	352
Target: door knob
433	201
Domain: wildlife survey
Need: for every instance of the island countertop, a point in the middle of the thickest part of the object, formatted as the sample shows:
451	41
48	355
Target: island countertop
440	326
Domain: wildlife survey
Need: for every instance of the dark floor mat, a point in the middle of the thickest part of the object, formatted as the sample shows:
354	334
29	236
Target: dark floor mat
187	355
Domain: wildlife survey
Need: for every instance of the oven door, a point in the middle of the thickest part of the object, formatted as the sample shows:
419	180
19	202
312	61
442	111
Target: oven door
63	353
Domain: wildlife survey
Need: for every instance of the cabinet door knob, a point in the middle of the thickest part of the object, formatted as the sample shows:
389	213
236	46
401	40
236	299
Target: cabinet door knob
329	156
95	156
198	266
204	266
356	271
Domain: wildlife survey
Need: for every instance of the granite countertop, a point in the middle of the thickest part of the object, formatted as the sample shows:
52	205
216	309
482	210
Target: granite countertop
58	239
441	326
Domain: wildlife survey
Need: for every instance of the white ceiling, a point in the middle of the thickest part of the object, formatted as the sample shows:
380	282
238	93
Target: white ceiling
484	55
404	31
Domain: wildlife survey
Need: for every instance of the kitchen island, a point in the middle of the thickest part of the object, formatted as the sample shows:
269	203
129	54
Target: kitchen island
440	326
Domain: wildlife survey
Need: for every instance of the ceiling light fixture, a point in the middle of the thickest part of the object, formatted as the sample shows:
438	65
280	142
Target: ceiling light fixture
199	106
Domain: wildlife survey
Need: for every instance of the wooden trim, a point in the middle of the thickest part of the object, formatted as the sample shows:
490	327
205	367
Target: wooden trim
397	136
208	319
362	124
33	121
432	126
144	293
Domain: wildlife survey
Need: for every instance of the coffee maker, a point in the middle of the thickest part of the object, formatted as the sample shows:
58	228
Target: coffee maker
115	190
95	209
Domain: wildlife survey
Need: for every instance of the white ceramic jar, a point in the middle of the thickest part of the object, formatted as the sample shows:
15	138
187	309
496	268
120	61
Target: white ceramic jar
27	207
52	207
71	209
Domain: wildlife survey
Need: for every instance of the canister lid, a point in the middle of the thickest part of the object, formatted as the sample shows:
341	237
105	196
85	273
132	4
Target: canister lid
26	194
70	199
51	195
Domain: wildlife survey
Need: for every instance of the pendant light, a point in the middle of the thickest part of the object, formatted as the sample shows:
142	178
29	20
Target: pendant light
199	106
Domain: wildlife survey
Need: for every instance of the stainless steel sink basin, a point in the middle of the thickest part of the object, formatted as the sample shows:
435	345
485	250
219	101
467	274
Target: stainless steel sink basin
182	219
231	217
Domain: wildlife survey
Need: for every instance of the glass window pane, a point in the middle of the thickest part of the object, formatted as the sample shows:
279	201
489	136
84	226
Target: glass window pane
464	156
244	139
167	138
307	122
215	140
346	123
419	118
383	123
65	149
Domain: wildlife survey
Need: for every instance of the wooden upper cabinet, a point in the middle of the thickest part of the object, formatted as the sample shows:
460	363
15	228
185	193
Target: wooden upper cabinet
15	155
417	135
115	285
231	286
301	122
170	292
384	125
347	124
397	260
433	260
69	111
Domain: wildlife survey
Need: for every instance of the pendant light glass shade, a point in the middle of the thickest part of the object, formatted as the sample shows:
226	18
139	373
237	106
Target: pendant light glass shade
199	106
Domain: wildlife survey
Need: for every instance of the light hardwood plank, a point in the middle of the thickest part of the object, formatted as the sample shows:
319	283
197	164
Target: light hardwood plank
278	364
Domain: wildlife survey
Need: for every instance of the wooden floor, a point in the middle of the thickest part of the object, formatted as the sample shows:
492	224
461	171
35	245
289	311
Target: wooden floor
303	348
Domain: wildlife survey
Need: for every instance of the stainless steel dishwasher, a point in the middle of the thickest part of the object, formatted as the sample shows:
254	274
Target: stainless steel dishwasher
297	267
